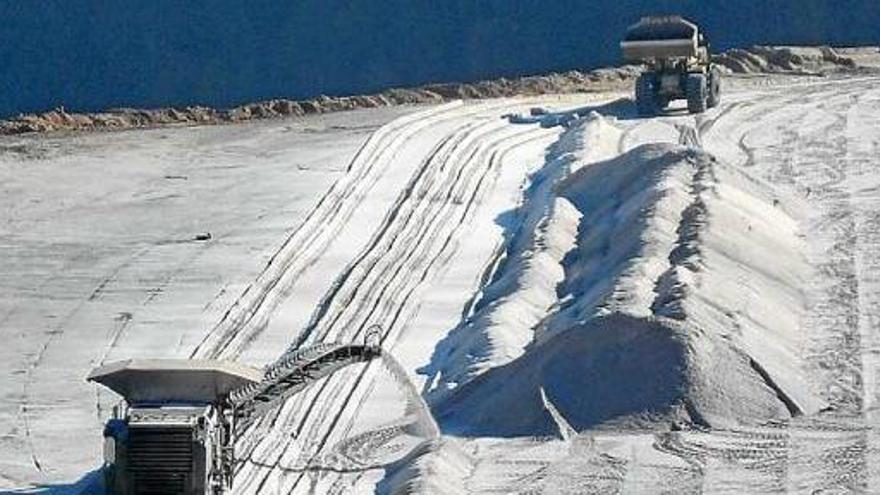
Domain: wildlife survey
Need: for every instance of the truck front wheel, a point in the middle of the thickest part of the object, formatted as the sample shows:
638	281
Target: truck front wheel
714	88
696	91
646	95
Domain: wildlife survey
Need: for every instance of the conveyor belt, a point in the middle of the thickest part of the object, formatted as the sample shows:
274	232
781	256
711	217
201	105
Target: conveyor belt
292	374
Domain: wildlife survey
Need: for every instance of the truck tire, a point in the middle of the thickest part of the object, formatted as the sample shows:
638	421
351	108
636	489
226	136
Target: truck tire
696	91
714	98
646	99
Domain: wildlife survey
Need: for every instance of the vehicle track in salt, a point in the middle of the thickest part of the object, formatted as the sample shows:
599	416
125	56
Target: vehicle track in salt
322	310
457	173
245	319
372	246
371	161
361	375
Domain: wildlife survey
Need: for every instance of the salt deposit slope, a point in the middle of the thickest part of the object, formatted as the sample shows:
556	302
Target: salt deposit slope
521	280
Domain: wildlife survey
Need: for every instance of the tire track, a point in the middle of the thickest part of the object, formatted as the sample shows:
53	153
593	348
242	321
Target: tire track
389	218
380	242
495	158
442	256
427	236
245	318
306	245
436	165
374	245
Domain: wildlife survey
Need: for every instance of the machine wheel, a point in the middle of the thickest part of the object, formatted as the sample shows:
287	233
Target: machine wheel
696	91
646	97
714	88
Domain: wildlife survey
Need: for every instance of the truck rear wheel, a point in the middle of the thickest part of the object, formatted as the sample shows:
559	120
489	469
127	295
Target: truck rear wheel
696	91
714	88
646	95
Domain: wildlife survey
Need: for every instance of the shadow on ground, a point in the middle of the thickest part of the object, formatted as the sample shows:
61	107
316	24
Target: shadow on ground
621	109
90	484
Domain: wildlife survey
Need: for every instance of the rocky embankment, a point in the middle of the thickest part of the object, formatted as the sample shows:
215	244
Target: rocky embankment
794	60
128	118
753	60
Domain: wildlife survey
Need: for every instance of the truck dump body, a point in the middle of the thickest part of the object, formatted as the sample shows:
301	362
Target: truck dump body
660	37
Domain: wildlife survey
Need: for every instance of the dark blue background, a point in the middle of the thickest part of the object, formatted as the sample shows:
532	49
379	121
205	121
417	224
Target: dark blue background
89	55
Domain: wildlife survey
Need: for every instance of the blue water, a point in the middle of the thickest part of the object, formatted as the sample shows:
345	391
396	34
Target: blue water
89	55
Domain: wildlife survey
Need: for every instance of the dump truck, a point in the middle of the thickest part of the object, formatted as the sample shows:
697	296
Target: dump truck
173	432
678	65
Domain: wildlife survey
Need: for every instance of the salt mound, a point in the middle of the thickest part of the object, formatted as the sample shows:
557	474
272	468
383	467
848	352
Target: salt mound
680	306
616	371
519	294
